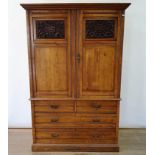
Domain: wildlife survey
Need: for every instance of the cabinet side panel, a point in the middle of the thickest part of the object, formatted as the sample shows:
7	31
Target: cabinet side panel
120	54
29	45
30	71
120	49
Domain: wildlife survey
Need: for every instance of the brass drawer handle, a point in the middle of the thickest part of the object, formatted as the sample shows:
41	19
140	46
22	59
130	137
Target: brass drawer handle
96	120
97	106
55	135
54	106
96	136
76	134
54	120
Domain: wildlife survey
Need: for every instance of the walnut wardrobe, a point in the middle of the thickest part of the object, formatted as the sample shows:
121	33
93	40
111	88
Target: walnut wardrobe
75	58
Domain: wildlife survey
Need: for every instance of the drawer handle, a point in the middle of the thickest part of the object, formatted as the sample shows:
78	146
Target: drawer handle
54	106
96	120
55	135
96	136
54	120
96	106
76	134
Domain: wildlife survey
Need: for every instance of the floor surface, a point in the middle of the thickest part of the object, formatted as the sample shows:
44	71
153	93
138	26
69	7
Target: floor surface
132	142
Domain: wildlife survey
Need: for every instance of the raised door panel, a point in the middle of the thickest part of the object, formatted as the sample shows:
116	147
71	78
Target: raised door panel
51	69
98	69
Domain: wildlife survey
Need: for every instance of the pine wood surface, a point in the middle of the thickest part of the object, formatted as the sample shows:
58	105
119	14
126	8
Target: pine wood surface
75	58
132	142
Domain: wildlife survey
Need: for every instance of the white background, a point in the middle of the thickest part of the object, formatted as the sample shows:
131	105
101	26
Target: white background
132	112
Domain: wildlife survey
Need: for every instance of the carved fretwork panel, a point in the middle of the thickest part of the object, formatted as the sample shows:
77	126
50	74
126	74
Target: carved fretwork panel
98	29
50	29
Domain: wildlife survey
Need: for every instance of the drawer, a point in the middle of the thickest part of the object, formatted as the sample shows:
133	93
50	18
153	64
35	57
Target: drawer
54	106
52	136
75	133
106	107
75	125
74	118
76	141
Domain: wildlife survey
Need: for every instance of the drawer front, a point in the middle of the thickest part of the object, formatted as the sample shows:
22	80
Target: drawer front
68	118
75	133
106	107
52	136
76	141
54	106
75	125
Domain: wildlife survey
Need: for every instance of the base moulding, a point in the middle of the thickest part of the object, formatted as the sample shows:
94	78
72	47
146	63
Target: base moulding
75	148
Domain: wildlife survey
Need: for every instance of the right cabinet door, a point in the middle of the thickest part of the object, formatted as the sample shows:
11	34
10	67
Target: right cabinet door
98	50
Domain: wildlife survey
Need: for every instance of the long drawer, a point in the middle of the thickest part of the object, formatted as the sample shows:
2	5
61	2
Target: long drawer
54	118
76	141
54	106
75	125
106	107
75	135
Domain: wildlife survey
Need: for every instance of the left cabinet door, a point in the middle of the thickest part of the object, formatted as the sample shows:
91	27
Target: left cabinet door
50	54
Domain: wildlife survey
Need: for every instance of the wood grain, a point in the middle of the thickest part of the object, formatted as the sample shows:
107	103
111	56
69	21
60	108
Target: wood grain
74	119
75	75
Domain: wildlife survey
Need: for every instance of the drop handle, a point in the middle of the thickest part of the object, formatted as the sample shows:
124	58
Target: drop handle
96	106
96	136
78	57
96	120
54	106
54	120
55	135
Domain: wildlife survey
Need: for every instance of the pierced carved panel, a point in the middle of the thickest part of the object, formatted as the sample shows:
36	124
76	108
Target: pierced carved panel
98	29
50	29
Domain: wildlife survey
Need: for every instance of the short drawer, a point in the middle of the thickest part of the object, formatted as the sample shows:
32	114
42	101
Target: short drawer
54	106
106	107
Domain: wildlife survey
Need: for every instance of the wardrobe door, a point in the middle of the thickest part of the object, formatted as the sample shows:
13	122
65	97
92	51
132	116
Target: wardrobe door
97	69
51	54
